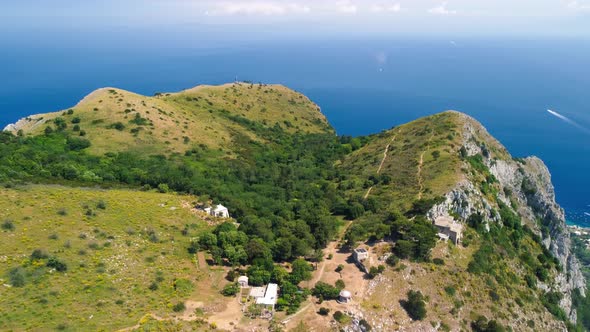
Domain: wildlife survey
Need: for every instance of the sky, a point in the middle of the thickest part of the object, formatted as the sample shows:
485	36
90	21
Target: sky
305	17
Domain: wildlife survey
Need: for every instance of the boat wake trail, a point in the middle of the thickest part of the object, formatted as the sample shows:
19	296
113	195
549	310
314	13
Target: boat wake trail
569	121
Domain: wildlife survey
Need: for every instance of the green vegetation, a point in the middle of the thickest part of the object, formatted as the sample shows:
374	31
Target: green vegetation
267	154
67	284
481	324
415	305
325	291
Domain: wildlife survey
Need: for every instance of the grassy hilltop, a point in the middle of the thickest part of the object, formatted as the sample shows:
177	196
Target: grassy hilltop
117	120
93	237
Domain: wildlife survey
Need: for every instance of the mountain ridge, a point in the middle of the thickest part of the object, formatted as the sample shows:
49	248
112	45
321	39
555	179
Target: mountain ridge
248	146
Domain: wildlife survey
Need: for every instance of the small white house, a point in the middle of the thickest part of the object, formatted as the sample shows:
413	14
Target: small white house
449	229
243	281
219	211
360	254
345	296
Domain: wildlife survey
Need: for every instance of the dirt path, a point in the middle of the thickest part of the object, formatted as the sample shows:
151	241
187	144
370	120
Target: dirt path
419	175
331	249
188	315
202	261
382	163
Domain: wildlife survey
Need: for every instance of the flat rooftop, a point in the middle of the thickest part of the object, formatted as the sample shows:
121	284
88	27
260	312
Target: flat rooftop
257	291
270	296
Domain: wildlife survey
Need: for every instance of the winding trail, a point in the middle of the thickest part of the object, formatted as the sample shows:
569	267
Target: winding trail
330	249
419	173
382	163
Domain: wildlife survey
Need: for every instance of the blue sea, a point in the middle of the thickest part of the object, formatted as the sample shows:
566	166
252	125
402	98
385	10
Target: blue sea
363	85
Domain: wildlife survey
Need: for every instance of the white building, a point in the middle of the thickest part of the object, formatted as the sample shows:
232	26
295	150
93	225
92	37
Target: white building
270	296
449	229
219	211
345	296
360	254
243	281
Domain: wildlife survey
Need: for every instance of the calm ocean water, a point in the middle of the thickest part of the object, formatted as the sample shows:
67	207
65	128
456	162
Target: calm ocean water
362	86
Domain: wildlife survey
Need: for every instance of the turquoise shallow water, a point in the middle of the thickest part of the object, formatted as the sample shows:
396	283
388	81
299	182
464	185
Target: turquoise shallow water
362	86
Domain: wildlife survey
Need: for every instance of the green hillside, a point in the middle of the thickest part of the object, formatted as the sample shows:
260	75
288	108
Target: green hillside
214	116
129	251
121	253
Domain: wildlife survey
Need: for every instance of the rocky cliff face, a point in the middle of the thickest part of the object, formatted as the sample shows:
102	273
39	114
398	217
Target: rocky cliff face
527	187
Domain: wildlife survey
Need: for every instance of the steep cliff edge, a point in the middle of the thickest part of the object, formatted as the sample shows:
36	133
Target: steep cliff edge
527	189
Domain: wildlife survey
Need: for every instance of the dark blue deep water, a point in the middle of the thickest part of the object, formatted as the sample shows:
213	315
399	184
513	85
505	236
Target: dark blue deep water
362	86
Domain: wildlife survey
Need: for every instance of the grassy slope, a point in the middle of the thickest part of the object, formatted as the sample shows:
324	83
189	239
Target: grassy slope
121	269
407	144
471	295
177	120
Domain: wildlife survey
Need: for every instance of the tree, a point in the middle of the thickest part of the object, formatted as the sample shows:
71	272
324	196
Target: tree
231	289
403	249
257	276
301	270
415	305
356	210
325	291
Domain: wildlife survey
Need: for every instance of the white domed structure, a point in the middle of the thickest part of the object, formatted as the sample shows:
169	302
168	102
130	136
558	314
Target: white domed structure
243	281
345	296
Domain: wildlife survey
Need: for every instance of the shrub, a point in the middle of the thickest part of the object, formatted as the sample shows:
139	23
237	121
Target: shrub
365	326
101	205
392	260
38	254
53	236
374	271
153	286
481	324
340	284
415	305
117	125
163	188
339	268
324	311
450	290
62	212
76	120
340	317
58	265
77	144
178	307
438	261
17	277
231	289
8	225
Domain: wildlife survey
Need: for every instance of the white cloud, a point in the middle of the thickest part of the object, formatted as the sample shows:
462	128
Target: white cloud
382	8
265	8
346	7
442	10
578	5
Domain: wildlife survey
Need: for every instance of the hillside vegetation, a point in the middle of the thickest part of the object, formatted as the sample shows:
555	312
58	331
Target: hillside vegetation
129	251
96	259
214	116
